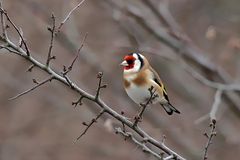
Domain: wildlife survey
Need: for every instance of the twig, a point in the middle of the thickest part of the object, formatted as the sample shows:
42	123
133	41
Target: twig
68	16
20	42
144	106
4	32
129	135
17	30
210	138
52	31
216	104
33	88
69	68
79	101
94	120
100	86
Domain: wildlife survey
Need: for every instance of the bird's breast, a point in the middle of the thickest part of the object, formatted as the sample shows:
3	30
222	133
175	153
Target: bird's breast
139	94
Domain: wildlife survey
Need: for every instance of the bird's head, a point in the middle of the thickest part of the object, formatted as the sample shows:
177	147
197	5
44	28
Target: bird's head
133	62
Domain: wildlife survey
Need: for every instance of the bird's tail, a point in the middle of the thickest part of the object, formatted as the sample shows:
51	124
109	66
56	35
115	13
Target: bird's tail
170	109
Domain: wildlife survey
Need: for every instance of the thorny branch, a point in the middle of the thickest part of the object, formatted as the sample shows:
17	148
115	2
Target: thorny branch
13	48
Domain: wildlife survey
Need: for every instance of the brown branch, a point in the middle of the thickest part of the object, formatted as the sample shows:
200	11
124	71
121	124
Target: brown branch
94	120
52	31
68	16
33	88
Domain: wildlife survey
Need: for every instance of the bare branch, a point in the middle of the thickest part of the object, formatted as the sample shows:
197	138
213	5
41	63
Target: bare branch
3	24
94	120
129	135
216	104
69	68
210	138
33	88
69	14
17	30
100	86
52	31
144	106
79	101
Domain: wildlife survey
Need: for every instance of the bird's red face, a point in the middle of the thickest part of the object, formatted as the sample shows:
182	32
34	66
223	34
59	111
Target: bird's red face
129	61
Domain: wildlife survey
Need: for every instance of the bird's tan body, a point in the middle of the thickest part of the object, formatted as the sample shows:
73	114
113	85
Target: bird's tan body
137	86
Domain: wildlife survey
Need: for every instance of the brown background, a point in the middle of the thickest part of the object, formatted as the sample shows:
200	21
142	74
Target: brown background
43	125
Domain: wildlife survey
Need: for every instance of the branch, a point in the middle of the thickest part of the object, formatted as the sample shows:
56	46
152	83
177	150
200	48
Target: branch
16	29
94	120
33	88
144	106
69	68
129	135
52	31
69	14
210	138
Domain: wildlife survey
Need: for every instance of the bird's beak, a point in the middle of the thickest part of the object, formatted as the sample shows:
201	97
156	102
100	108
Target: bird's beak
124	63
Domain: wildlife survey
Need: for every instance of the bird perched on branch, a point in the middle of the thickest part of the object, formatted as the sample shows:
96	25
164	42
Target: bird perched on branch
139	77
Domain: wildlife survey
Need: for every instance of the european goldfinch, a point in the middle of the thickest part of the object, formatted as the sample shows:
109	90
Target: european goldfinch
138	77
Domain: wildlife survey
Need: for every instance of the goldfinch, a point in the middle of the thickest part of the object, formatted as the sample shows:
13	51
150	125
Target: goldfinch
138	77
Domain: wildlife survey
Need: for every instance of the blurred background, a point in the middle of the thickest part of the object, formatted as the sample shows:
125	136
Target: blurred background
43	125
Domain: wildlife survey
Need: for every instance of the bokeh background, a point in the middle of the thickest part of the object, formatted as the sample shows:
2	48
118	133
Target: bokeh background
43	125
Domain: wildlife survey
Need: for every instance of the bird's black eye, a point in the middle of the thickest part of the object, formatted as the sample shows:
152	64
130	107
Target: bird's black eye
130	61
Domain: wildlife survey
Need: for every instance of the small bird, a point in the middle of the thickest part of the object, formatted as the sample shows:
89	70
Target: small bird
139	77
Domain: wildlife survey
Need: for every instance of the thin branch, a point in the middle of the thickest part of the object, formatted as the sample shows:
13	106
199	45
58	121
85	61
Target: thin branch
216	104
94	120
144	106
79	101
129	135
4	32
52	31
69	68
210	138
17	29
100	86
205	81
33	88
68	16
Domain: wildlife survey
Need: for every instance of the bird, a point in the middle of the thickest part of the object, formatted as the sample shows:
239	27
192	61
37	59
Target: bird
139	77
